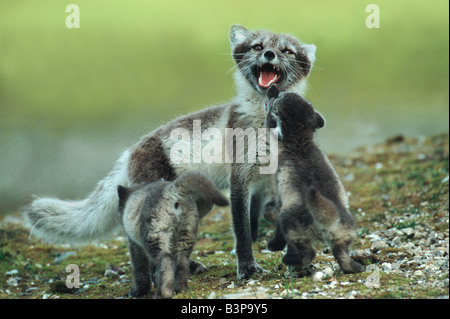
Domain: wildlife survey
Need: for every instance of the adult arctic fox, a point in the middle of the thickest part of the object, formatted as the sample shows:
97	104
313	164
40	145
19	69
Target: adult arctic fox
262	58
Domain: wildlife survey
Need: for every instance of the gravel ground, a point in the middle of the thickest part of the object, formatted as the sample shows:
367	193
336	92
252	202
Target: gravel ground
399	196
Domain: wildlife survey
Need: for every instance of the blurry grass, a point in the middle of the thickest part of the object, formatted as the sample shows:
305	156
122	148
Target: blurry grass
155	56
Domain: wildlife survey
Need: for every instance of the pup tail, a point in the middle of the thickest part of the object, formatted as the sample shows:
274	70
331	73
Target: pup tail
198	185
93	218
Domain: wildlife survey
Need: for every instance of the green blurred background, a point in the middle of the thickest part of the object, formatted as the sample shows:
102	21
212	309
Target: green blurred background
71	100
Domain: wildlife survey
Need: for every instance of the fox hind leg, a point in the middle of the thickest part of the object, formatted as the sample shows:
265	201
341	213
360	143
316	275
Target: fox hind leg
141	271
296	225
347	264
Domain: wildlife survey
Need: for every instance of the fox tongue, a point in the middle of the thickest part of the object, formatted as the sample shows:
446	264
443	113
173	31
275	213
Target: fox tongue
266	78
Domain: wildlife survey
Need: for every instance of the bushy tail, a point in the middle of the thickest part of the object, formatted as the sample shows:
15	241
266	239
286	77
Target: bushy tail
82	221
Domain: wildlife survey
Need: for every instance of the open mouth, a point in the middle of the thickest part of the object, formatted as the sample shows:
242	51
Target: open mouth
268	74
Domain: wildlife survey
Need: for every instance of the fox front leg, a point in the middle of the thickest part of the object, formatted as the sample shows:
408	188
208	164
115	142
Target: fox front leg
240	210
141	271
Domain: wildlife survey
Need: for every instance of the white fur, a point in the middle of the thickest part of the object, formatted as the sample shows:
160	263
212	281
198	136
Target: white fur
81	221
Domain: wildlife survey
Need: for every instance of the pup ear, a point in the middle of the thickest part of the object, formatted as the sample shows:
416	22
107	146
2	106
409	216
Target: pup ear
273	92
200	186
320	121
123	194
238	34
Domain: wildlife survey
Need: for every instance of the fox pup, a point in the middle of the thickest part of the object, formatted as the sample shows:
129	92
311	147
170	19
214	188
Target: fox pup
262	58
161	221
312	197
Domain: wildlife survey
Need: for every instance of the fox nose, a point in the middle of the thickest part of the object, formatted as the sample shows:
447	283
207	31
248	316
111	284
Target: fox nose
269	55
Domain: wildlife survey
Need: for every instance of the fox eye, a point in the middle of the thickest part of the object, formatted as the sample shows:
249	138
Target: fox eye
288	51
257	47
176	205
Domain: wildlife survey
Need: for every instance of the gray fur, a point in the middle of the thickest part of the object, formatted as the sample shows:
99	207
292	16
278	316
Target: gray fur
313	203
149	160
161	221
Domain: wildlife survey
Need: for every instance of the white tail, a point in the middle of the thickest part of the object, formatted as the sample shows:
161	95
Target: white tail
82	221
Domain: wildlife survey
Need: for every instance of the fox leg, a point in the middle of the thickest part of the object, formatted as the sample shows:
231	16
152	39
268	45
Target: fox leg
296	225
141	271
278	242
240	211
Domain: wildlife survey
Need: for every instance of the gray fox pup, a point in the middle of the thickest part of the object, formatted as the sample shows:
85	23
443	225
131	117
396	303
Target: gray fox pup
161	221
312	198
262	58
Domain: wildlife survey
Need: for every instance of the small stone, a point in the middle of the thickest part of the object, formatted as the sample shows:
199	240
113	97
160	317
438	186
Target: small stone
318	276
289	292
328	271
110	273
64	256
349	177
251	282
409	232
387	267
333	284
30	289
222	281
247	295
11	272
212	295
373	280
13	281
378	245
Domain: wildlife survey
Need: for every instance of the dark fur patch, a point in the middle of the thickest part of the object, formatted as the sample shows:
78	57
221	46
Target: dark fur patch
313	186
149	162
123	193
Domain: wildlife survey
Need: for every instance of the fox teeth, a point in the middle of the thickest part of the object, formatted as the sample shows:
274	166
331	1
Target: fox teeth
274	67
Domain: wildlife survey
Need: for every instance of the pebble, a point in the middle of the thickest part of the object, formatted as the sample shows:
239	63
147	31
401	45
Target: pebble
247	293
231	286
328	271
373	280
13	281
63	256
11	272
318	276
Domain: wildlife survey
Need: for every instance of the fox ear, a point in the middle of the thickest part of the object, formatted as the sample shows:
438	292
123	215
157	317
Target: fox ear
310	51
123	194
320	121
238	34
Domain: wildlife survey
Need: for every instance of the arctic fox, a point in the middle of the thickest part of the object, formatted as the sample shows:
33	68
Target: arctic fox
312	198
262	58
161	222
